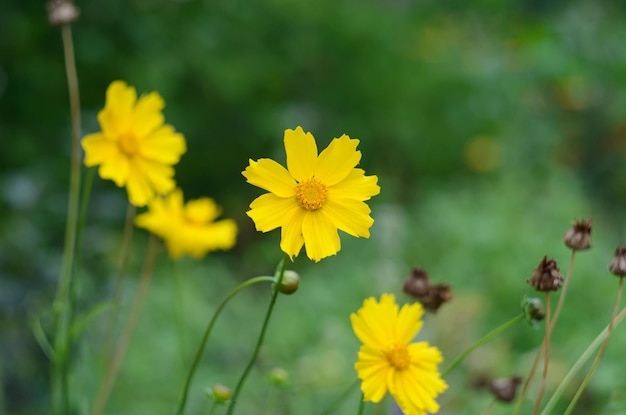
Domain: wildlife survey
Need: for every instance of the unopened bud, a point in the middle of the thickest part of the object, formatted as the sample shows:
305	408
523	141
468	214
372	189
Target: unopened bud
290	282
504	389
533	309
61	12
547	276
221	394
279	377
578	237
618	265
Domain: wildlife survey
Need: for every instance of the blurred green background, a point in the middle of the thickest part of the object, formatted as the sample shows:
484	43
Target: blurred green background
490	124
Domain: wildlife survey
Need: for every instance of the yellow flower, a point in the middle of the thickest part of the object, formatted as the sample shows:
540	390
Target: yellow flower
314	196
188	229
389	362
134	149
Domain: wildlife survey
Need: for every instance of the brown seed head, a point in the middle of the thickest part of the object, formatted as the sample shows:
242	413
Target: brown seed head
436	296
618	265
416	283
547	276
504	389
61	12
578	237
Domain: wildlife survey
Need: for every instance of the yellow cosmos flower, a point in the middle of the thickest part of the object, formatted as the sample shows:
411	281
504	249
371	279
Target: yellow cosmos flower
134	149
389	362
188	229
314	196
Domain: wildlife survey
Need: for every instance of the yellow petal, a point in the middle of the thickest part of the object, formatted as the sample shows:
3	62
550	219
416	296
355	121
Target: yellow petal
408	323
301	153
291	239
374	322
202	211
350	216
99	149
271	176
373	377
320	236
115	168
116	117
268	211
337	161
147	115
140	192
159	176
163	145
356	186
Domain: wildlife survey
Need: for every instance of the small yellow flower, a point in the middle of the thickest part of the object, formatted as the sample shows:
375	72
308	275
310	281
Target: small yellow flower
188	229
314	197
389	362
135	149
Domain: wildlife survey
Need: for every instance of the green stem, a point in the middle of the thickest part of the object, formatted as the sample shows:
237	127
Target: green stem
120	351
557	312
207	332
179	312
595	363
361	405
275	290
546	357
341	398
60	367
493	333
579	364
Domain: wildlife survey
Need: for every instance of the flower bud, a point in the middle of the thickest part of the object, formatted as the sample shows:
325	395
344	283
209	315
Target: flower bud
279	377
504	389
61	12
547	276
578	237
618	265
290	282
533	309
436	296
221	394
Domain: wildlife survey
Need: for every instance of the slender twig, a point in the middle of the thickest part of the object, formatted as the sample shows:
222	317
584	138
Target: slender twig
595	363
557	313
124	258
60	365
493	333
546	358
257	349
586	355
489	408
120	351
183	400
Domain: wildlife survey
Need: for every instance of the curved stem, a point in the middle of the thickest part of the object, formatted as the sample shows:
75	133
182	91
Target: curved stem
60	365
341	398
120	351
493	333
546	358
361	405
207	332
579	364
595	363
275	290
557	312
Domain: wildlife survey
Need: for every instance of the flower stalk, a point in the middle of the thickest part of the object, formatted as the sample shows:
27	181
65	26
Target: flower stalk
275	290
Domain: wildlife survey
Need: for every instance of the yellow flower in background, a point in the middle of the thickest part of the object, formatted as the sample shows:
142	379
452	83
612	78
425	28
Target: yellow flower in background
314	197
188	229
389	362
135	148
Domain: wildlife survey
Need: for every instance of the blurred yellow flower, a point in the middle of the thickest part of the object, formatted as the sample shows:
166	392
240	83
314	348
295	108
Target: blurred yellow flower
188	229
314	197
389	362
135	149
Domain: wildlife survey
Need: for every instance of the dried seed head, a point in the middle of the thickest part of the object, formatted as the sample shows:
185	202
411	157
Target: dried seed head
436	296
578	237
416	284
547	276
618	265
61	12
504	389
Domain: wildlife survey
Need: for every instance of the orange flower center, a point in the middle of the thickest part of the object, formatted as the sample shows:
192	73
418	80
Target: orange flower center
311	194
398	357
129	144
